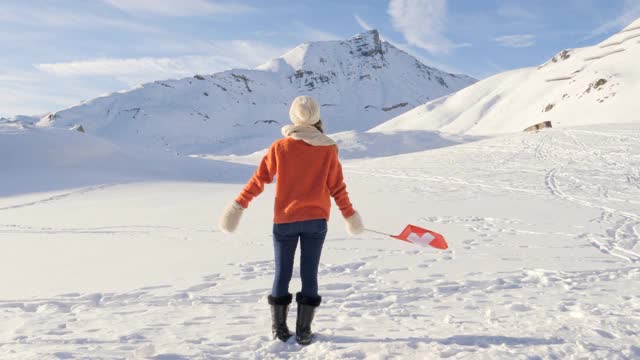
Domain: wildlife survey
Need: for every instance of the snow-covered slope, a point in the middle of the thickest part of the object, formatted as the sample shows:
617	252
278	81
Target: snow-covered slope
583	86
544	236
360	83
46	159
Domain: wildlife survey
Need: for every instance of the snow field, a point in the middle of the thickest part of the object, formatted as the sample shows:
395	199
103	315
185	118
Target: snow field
544	260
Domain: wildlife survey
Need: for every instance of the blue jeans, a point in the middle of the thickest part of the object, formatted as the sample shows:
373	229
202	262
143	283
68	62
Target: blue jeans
285	240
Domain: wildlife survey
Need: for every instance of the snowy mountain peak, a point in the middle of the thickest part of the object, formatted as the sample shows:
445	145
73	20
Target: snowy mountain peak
328	55
360	82
368	43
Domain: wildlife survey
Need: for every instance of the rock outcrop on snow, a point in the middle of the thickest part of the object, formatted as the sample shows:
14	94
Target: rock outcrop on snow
591	85
360	83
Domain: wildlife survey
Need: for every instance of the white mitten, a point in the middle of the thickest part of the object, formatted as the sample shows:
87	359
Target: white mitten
354	224
231	217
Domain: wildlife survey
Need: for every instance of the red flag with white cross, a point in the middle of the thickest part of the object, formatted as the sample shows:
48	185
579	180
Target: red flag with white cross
419	236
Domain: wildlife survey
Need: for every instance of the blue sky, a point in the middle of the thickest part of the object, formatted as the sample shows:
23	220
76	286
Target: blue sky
56	53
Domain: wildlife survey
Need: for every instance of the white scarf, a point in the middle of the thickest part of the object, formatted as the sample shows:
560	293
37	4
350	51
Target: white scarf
308	134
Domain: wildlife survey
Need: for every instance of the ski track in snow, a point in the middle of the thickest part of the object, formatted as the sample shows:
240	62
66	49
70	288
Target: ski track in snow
383	301
82	191
125	229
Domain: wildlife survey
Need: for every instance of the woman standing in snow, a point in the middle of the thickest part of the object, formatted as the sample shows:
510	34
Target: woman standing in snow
306	166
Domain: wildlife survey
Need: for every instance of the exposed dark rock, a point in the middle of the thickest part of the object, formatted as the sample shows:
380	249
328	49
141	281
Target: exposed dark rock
165	85
599	83
199	77
243	79
596	85
394	106
441	81
78	128
266	122
549	107
299	74
367	48
205	93
538	126
134	110
311	79
563	55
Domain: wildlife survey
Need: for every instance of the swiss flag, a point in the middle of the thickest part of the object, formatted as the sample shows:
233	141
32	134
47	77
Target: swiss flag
423	237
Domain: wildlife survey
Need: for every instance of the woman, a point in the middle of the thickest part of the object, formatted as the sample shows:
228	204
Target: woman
306	166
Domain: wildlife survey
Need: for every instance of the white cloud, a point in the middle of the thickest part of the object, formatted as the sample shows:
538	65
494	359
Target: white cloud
363	24
407	48
50	16
30	102
52	86
516	41
630	12
126	68
422	23
309	33
513	12
179	8
222	56
35	93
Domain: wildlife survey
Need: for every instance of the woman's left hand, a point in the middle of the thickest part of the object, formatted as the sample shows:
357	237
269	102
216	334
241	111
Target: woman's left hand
231	217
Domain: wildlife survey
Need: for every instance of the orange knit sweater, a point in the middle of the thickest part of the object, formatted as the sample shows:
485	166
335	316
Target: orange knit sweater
306	176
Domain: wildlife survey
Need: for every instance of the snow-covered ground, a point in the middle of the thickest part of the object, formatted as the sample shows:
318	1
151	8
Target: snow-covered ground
544	260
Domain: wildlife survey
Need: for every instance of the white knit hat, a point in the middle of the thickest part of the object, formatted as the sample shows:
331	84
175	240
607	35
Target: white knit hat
304	111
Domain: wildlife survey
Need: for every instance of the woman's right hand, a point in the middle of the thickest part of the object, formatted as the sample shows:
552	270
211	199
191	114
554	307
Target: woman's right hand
354	224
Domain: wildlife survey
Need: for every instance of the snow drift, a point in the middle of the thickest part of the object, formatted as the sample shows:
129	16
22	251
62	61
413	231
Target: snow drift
43	159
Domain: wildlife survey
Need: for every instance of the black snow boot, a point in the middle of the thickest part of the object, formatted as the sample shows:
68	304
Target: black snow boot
279	309
306	310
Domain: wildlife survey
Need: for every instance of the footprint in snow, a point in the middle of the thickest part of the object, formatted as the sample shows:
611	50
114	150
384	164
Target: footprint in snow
337	286
212	277
604	334
519	307
200	287
147	288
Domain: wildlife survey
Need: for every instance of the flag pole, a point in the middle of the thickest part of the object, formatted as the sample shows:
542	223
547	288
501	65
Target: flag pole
378	232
